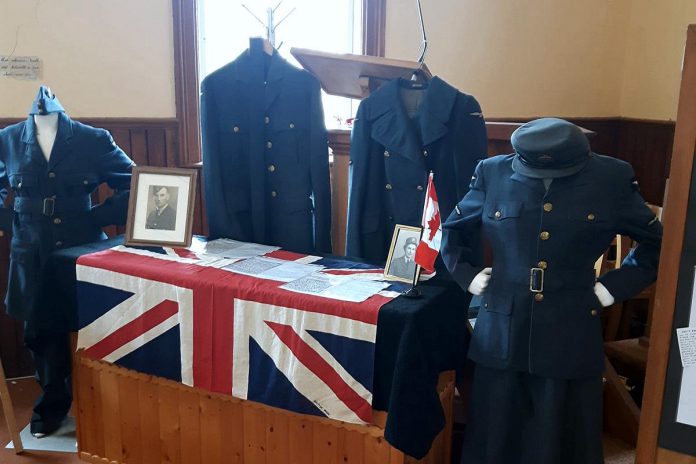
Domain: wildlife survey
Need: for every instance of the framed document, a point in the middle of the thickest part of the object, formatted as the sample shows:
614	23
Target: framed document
160	210
400	261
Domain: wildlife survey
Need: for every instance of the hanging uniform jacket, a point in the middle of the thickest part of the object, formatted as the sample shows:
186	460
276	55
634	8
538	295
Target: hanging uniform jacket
391	156
52	206
265	155
540	313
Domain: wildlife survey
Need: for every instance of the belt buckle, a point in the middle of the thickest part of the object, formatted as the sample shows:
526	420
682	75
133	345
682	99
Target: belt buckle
49	204
536	280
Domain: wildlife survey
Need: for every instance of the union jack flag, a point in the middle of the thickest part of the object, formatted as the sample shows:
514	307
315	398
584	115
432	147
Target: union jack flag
165	312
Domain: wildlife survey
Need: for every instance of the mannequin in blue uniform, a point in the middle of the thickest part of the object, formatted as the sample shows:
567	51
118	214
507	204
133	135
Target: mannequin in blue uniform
548	211
53	164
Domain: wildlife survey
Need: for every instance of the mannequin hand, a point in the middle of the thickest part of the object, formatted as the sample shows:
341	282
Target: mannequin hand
480	282
603	295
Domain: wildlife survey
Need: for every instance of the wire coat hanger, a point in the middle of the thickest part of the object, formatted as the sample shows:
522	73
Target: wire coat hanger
418	74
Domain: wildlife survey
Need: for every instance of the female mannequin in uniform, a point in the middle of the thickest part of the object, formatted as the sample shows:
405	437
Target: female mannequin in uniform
548	211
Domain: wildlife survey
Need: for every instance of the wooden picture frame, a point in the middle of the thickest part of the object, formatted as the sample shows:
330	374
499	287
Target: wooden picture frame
403	237
160	209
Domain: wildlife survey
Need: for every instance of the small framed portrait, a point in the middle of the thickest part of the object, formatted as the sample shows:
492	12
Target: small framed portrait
160	210
400	264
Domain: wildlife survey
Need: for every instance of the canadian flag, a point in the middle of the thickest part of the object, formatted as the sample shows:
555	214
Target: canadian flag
429	245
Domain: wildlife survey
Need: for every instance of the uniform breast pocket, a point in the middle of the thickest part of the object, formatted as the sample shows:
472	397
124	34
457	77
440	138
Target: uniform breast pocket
234	136
290	138
79	183
504	213
24	184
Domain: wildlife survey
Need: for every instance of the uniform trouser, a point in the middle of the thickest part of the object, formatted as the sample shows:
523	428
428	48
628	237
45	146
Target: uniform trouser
520	418
51	353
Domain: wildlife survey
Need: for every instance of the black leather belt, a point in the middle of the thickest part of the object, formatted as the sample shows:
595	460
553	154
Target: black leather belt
50	206
538	280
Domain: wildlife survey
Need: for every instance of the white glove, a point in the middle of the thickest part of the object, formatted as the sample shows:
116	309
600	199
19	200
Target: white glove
480	282
603	295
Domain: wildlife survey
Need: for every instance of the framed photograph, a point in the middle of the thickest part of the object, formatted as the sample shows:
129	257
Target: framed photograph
400	262
160	210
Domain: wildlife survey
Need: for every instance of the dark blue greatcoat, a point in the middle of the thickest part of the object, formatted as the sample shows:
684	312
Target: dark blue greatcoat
52	205
265	154
556	332
391	156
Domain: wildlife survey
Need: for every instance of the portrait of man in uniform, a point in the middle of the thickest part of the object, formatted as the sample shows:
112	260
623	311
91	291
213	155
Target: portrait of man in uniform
400	262
162	211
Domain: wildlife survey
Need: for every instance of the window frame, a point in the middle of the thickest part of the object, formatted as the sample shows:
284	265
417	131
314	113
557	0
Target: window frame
186	79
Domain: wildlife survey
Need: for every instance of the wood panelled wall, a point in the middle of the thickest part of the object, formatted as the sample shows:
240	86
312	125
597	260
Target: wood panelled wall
645	144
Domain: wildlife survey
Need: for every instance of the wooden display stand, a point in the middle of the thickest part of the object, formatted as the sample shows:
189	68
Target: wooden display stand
674	219
128	417
8	411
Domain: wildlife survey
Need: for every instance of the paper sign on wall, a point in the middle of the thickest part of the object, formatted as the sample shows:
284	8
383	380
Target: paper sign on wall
20	67
686	409
687	345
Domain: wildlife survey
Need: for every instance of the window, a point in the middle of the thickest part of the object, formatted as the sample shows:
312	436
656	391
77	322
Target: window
224	28
211	33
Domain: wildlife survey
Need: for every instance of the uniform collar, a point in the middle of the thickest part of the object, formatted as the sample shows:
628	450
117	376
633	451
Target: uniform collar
60	145
250	69
559	184
396	131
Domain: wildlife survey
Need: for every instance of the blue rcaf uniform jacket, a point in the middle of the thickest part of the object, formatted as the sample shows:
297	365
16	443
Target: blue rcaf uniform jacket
265	155
555	330
52	206
391	156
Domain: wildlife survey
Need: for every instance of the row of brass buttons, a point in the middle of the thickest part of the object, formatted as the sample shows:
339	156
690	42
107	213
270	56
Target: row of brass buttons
387	154
389	187
267	120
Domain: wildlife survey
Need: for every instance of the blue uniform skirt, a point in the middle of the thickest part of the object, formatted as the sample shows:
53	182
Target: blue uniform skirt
521	418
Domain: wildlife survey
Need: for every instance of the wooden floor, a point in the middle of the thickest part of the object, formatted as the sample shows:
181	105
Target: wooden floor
24	391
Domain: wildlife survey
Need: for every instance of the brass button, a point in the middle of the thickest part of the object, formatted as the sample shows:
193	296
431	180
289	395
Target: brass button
266	119
388	186
593	312
542	265
85	182
544	235
59	243
419	188
386	154
425	152
548	207
539	297
57	221
235	129
51	175
498	214
590	217
19	185
274	193
292	125
271	168
269	144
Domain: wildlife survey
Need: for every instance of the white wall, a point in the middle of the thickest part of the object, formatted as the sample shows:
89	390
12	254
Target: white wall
520	58
102	58
525	58
654	53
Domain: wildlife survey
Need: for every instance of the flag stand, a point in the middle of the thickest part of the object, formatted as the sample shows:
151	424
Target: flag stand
413	292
